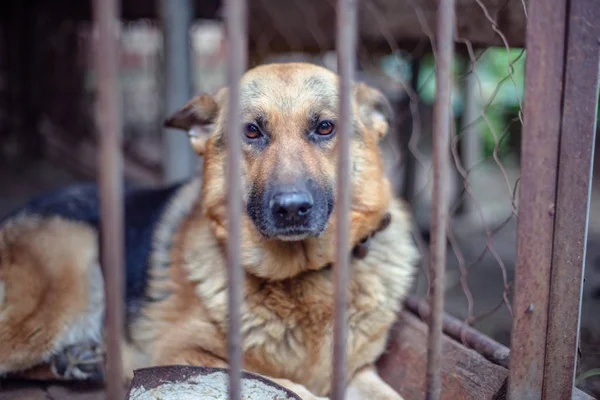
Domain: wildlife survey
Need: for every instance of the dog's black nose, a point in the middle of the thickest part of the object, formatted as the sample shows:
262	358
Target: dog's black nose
291	207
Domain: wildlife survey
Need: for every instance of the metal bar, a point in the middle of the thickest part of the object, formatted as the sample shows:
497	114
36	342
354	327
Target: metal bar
537	194
237	58
579	112
179	159
346	49
444	47
459	331
106	14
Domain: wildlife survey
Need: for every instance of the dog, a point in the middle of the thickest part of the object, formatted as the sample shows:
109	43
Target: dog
51	287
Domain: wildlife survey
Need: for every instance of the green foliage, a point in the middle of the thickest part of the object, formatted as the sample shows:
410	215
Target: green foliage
500	77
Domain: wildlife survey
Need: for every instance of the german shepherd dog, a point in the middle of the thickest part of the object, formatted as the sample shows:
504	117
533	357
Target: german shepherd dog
51	287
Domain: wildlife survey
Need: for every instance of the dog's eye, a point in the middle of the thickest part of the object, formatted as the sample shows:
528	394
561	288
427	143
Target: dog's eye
325	128
252	131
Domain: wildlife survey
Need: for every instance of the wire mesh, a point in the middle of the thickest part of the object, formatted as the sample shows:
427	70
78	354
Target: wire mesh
487	100
394	48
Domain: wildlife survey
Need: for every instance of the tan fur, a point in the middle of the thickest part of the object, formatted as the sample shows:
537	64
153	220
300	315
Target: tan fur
288	309
53	289
287	314
289	152
287	328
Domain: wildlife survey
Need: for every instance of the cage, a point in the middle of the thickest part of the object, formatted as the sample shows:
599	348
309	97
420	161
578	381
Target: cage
492	148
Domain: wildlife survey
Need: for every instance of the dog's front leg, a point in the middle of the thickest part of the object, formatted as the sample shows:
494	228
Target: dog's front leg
367	384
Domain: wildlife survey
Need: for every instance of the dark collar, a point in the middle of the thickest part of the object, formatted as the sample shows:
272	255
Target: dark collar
361	249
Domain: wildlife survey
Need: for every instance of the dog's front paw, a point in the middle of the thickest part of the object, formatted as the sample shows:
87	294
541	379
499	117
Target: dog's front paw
300	390
306	395
82	361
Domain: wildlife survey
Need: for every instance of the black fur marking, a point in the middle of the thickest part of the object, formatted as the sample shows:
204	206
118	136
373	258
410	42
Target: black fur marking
143	209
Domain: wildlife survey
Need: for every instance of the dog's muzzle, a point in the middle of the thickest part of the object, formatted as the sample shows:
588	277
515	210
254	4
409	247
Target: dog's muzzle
291	208
291	211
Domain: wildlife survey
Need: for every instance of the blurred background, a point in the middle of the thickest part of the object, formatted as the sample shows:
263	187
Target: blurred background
173	49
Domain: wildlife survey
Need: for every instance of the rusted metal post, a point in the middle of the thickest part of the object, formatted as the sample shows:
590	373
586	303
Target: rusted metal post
237	58
346	53
176	15
106	14
575	162
537	195
444	47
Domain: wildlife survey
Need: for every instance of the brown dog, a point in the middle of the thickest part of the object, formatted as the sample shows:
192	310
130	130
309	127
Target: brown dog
50	288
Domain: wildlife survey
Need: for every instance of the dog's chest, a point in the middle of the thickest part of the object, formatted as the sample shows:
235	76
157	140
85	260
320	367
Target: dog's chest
288	326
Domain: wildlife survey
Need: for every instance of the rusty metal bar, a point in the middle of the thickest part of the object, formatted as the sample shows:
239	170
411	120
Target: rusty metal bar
176	16
579	112
106	14
444	47
346	59
461	332
235	20
544	70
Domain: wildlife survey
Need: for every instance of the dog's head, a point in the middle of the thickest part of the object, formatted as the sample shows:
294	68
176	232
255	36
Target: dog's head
289	133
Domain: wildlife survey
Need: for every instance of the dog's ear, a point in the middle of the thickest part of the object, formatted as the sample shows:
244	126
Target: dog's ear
374	109
197	117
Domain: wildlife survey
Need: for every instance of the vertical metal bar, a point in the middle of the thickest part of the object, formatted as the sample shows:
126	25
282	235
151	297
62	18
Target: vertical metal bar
106	14
544	69
579	113
176	17
444	47
346	49
235	19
